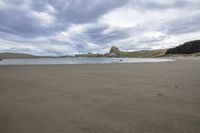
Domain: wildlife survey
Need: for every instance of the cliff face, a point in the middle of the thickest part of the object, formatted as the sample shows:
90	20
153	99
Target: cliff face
186	48
114	51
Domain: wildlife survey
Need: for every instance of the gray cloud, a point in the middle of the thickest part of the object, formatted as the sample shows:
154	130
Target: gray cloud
187	24
79	11
22	21
27	18
96	34
163	5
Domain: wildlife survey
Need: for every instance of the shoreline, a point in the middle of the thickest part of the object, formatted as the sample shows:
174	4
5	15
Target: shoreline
81	60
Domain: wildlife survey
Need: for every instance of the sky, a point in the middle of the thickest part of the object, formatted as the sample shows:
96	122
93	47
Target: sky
68	27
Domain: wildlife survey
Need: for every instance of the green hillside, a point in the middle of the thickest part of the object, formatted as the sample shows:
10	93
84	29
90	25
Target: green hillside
144	53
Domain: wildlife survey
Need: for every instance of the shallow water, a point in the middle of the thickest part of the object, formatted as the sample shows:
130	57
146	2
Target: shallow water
43	61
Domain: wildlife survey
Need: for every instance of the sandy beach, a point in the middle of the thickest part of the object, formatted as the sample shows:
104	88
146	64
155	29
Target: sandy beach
101	98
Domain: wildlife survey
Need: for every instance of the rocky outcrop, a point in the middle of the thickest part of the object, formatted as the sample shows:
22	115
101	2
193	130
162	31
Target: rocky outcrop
186	48
114	51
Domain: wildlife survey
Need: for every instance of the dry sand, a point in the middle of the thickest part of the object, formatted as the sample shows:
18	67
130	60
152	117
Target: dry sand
107	98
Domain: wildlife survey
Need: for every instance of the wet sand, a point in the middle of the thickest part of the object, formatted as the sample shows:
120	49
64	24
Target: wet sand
101	98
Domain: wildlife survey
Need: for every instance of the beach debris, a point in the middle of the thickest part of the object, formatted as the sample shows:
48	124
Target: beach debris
160	94
175	86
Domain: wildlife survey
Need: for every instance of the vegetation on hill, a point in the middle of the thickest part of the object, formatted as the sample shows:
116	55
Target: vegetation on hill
144	53
186	48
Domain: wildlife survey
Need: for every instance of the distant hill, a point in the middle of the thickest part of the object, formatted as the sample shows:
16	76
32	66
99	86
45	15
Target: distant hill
186	48
145	53
16	56
24	56
191	48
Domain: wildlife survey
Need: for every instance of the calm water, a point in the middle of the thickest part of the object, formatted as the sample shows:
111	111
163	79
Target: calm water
42	61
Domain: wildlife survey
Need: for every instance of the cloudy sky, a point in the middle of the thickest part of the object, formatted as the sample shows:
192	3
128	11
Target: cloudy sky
60	27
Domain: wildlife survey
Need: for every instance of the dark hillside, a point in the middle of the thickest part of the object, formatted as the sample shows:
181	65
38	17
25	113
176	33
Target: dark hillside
186	48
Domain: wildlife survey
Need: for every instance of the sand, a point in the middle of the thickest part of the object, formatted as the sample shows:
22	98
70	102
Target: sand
101	98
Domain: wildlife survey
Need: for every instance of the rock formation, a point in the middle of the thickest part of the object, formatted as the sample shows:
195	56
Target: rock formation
114	51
